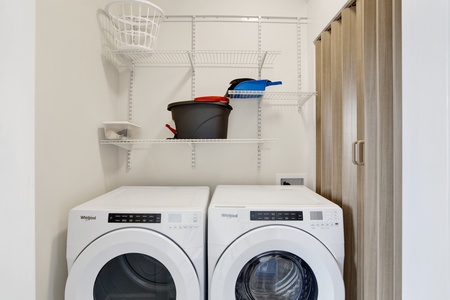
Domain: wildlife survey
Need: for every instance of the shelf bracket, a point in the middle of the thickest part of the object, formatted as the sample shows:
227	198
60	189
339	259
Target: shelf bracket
128	160
193	156
130	108
299	61
192	57
131	93
129	64
261	63
259	156
260	59
259	135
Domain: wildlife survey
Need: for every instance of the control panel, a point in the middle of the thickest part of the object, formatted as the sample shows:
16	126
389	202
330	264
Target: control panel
276	216
183	221
324	219
319	219
134	218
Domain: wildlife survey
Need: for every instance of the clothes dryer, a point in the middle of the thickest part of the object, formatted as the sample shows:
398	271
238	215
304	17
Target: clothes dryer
138	243
274	242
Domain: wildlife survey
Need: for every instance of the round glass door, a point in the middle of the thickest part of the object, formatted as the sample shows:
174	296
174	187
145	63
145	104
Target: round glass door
276	275
134	276
132	264
291	264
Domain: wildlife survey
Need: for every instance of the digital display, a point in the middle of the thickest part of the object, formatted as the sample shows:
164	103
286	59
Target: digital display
175	218
316	215
276	216
134	218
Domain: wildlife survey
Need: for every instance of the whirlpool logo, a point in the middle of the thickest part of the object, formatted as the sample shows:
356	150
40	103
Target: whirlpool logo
230	216
88	218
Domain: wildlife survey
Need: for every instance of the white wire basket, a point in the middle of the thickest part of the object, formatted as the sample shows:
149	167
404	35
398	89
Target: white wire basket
135	23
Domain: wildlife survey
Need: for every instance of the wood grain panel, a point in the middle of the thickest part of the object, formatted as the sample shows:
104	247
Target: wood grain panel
336	112
318	45
397	99
360	133
326	116
385	159
349	135
370	205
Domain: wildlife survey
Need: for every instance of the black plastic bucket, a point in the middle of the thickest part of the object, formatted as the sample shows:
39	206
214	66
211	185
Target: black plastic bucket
200	120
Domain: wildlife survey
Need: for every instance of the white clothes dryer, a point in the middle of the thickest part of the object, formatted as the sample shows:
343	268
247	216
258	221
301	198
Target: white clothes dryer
274	242
138	243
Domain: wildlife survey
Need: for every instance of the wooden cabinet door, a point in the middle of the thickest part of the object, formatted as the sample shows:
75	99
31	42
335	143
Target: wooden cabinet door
352	174
360	101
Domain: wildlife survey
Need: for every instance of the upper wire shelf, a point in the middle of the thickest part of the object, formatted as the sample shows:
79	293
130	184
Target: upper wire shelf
191	58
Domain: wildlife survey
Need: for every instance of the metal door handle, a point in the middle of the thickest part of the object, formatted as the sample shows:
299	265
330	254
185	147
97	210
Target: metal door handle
354	153
358	152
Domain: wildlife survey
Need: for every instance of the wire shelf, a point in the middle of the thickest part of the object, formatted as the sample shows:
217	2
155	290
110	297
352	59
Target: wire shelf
191	58
128	144
300	98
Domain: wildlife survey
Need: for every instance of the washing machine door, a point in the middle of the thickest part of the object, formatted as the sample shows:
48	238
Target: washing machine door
277	262
132	263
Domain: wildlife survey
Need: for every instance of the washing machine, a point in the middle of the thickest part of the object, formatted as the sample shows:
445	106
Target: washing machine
138	243
274	242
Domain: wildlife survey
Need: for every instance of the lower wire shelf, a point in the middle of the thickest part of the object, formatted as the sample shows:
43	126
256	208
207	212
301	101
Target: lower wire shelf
134	144
130	144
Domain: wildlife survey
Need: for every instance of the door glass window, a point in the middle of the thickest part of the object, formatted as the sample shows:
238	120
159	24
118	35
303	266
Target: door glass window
134	276
276	275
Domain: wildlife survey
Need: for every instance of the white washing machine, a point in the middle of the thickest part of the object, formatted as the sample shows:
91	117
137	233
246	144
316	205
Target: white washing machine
138	243
274	242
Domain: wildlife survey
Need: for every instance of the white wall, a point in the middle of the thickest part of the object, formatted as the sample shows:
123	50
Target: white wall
72	99
320	13
426	152
76	92
17	256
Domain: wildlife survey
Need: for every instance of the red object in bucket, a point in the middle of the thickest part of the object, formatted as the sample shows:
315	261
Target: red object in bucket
212	99
174	131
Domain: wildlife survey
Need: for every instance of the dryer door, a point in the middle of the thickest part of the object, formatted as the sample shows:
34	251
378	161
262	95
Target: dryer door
132	263
277	262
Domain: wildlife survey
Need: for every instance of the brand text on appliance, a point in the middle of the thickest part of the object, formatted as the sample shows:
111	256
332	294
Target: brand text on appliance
230	216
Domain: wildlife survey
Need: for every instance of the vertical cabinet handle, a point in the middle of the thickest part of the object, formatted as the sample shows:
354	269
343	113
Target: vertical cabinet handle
358	152
361	145
354	145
